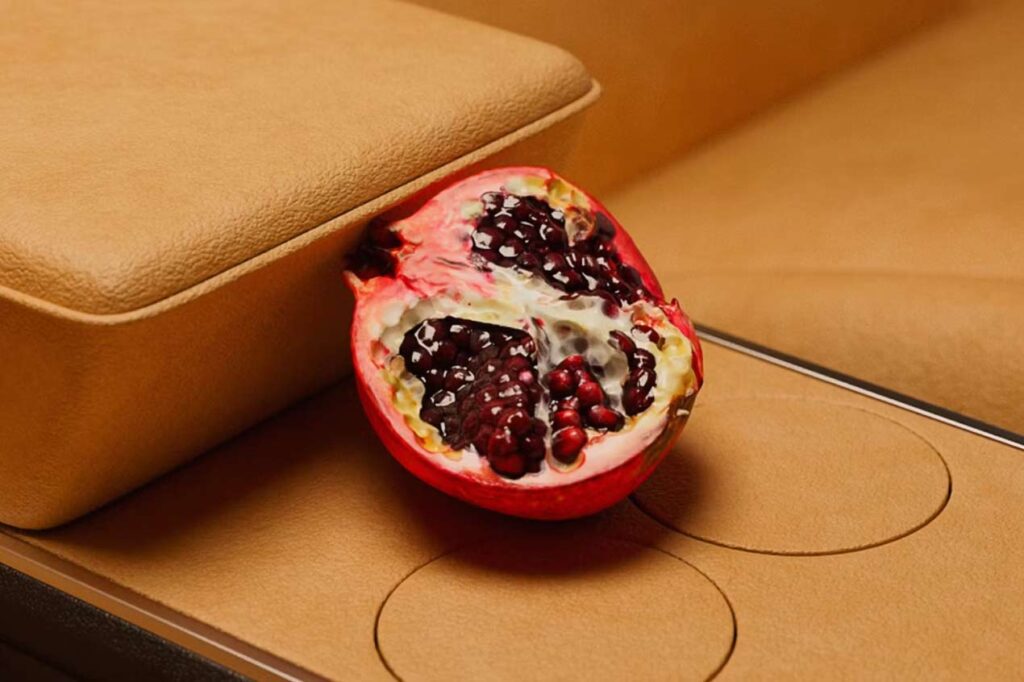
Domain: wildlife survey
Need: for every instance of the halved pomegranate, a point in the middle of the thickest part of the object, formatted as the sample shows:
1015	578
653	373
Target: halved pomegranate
513	349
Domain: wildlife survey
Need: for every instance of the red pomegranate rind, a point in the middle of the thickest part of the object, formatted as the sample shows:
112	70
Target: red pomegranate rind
425	396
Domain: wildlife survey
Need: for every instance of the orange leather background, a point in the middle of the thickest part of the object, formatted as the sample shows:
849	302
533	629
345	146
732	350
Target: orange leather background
874	225
676	72
870	224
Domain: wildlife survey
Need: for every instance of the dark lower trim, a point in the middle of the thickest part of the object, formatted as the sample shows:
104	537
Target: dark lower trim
83	587
48	634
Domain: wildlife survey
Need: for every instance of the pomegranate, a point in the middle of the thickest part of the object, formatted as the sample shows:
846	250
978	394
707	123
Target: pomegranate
513	349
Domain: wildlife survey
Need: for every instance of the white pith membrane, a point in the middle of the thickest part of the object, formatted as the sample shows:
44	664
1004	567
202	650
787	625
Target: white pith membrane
438	276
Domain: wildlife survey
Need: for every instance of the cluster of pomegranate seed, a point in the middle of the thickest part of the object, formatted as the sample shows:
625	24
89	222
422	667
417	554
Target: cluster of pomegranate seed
480	388
524	232
577	400
481	382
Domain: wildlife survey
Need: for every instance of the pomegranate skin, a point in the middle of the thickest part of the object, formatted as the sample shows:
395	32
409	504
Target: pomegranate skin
598	481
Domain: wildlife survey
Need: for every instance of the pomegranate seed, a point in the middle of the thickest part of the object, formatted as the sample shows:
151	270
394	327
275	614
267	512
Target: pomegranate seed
482	439
603	227
567	443
511	248
501	443
573	362
624	343
491	412
631	276
434	379
516	420
589	393
601	417
554	236
570	403
647	332
532	446
470	423
517	363
564	418
443	399
461	336
478	340
644	379
488	238
635	400
510	465
510	389
554	263
445	354
420	361
431	415
458	376
561	382
641	359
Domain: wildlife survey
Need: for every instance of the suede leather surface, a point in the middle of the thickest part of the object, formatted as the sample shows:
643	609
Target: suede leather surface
873	225
191	162
293	536
676	72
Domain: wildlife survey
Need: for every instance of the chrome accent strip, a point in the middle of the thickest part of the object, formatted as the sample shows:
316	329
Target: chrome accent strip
864	388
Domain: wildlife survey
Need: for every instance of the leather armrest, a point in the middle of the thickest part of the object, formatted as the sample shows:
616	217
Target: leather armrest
176	186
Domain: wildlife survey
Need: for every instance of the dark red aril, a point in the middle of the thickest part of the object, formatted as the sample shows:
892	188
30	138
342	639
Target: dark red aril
602	417
589	393
567	444
566	417
561	382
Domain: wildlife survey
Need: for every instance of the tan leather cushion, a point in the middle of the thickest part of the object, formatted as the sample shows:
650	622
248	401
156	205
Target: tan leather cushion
177	186
151	147
678	71
874	225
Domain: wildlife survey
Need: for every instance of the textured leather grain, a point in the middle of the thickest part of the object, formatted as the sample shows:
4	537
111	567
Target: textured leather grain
873	226
676	72
174	205
151	146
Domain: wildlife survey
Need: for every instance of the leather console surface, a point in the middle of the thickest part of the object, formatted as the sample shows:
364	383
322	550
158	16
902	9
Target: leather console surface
887	547
150	146
872	225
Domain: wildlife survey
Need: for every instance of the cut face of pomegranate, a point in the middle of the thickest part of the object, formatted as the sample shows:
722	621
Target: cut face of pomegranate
513	349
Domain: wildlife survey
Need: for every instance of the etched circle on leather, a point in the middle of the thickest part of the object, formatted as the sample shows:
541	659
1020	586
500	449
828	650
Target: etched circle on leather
796	476
585	607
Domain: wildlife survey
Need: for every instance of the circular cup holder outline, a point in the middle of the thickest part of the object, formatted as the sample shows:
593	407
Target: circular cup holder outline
633	497
730	650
